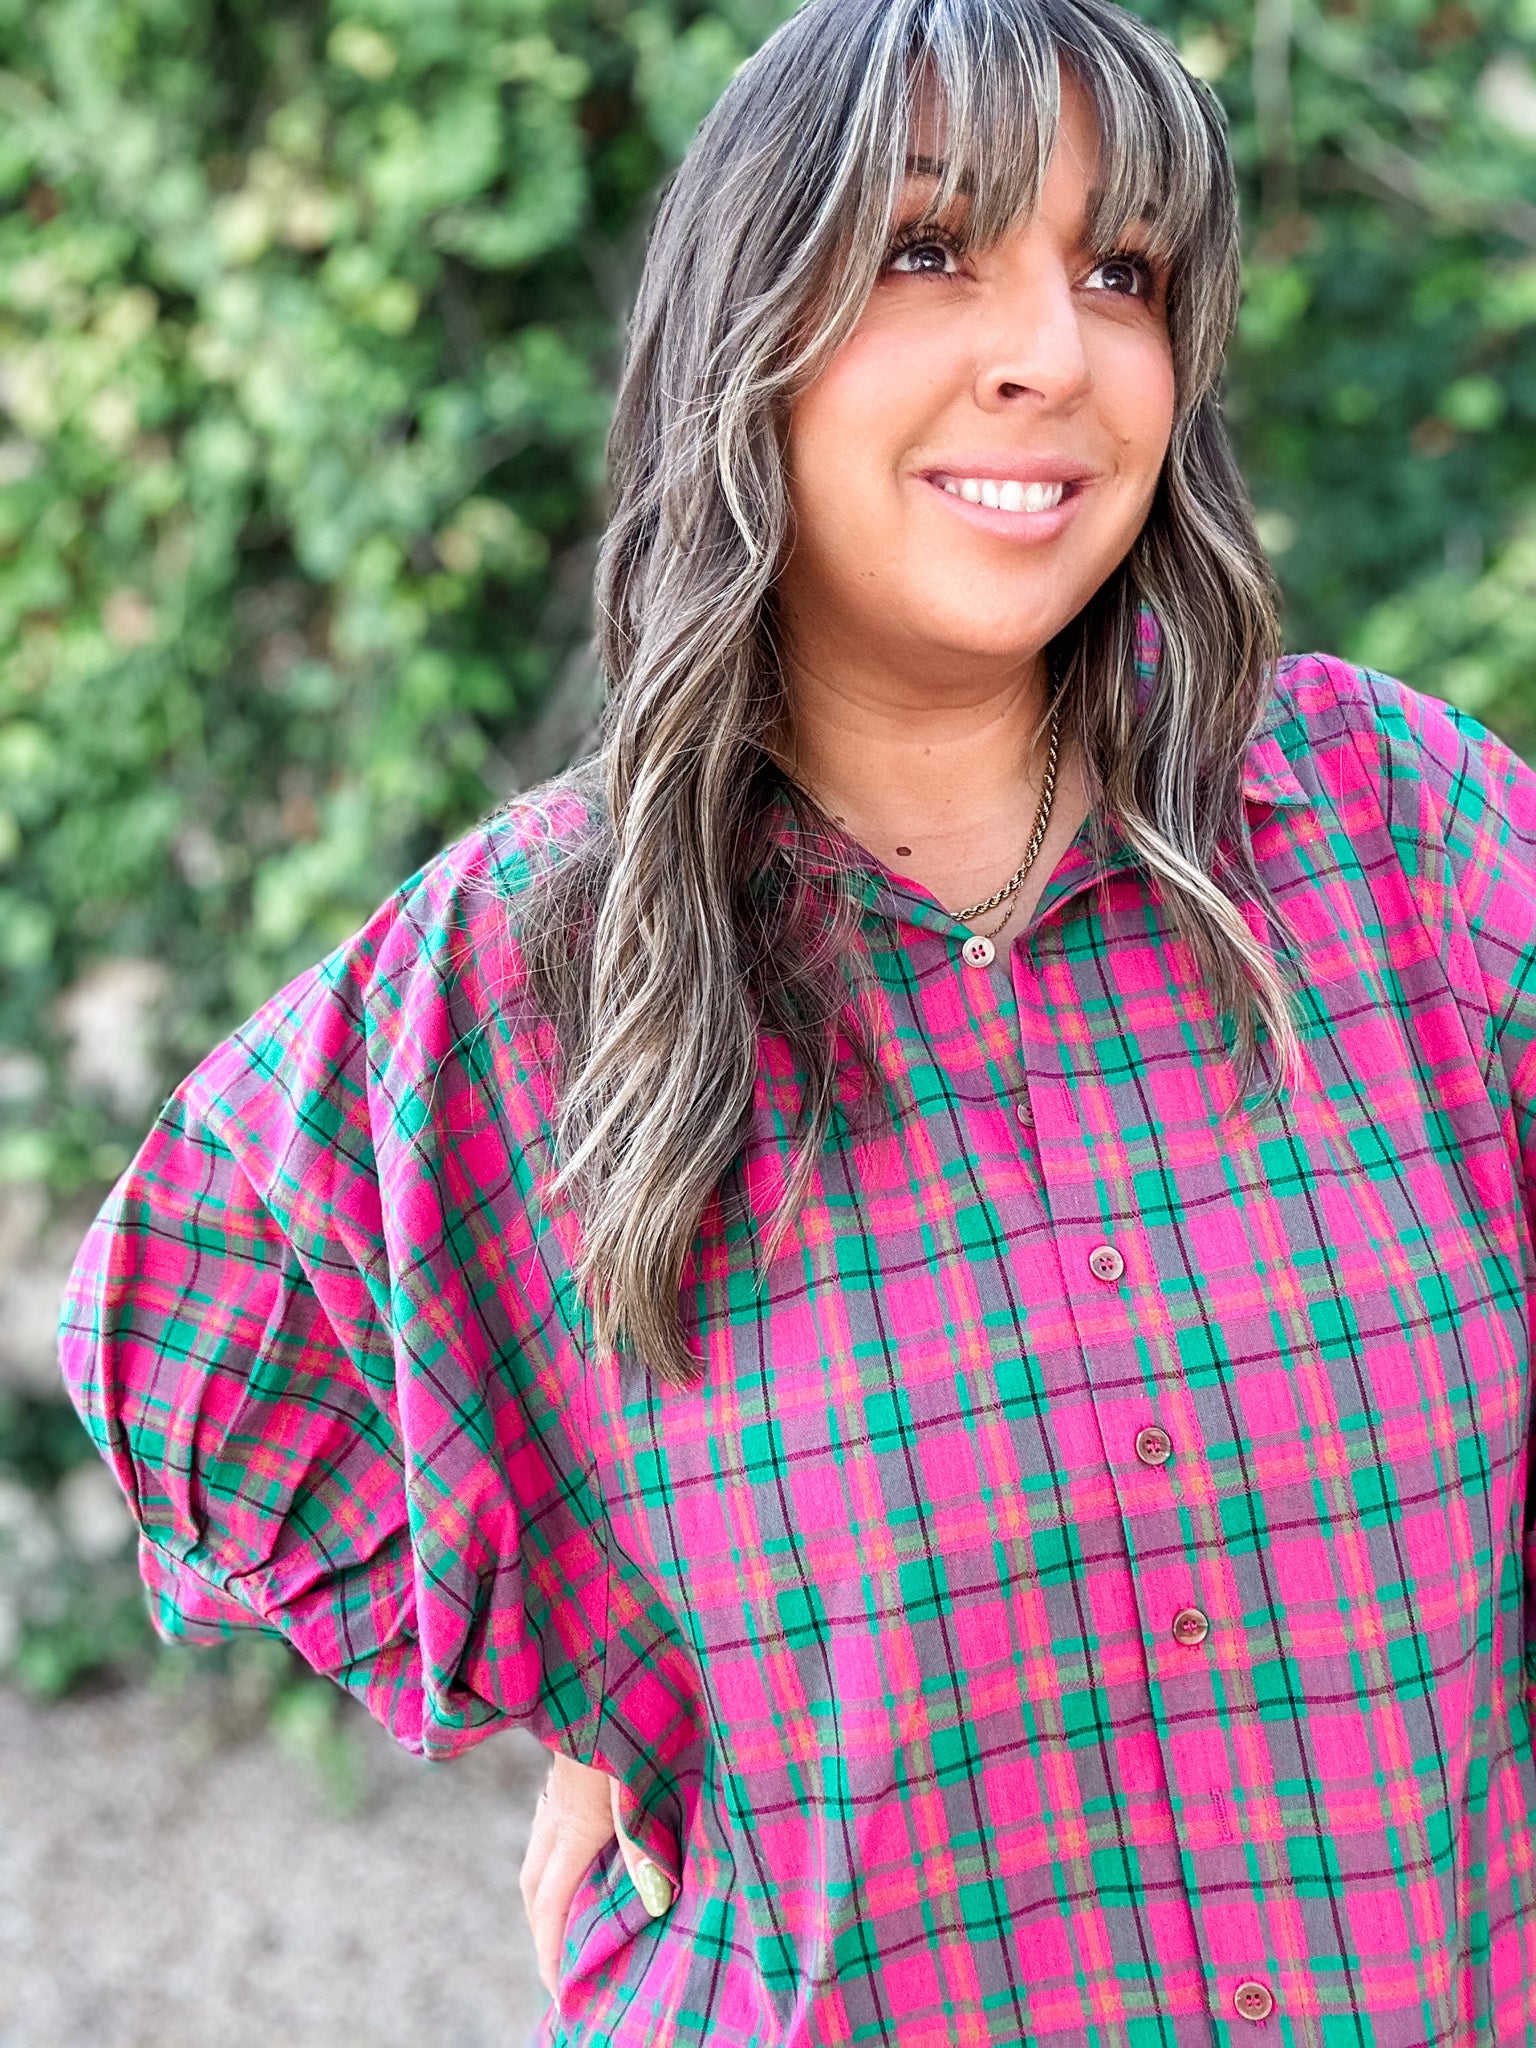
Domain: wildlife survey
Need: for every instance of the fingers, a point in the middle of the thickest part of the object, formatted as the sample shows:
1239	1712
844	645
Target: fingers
648	1878
572	1822
577	1815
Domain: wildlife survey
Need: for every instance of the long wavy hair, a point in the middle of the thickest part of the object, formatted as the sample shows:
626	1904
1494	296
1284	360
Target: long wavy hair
677	932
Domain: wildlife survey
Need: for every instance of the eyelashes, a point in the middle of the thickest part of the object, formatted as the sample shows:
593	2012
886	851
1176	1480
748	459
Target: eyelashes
918	236
1132	259
932	235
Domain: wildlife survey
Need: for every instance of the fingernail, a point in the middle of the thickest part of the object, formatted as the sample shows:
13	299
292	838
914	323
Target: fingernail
651	1883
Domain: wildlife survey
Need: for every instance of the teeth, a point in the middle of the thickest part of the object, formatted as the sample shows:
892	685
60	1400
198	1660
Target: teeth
1011	496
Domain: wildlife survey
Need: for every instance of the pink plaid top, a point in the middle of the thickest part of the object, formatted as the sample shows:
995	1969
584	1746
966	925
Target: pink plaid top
1084	1601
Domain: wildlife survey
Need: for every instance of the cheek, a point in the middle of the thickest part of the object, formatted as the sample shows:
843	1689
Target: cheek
864	408
1138	399
838	449
824	439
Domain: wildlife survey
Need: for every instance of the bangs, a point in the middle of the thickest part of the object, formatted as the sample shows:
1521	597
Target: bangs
992	74
976	84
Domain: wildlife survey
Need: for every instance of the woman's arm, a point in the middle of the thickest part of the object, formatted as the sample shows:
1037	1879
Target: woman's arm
318	1332
327	1419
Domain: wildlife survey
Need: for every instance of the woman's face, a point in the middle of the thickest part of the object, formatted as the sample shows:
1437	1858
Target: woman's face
982	451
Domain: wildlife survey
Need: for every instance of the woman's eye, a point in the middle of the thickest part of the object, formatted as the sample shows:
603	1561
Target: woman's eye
924	255
1127	276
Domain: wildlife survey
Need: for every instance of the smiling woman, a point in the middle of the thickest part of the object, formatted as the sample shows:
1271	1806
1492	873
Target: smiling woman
780	555
1056	362
1055	359
924	1267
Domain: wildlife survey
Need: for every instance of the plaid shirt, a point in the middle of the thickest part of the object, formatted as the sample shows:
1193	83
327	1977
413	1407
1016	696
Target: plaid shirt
1084	1601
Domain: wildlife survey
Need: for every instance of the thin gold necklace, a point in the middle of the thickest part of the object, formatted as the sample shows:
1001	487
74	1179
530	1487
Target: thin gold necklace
1015	881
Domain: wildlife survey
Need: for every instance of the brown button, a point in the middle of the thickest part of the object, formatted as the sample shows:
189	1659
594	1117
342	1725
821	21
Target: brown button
1190	1627
978	952
1253	2001
1105	1263
1154	1446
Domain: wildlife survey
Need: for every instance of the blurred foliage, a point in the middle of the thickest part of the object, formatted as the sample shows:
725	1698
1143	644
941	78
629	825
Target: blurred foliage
1383	390
309	318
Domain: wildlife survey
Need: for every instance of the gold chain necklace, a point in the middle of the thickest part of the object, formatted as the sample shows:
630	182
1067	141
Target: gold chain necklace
1015	881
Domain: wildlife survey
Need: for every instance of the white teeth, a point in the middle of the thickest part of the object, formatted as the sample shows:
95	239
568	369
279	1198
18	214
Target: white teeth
1011	496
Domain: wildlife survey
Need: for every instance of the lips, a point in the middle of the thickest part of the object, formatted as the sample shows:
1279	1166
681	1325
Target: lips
1007	494
1042	468
1010	498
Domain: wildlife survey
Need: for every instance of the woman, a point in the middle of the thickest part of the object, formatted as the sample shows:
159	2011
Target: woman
926	1270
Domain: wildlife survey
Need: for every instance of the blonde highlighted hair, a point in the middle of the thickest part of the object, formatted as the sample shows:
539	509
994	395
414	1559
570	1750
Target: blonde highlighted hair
672	938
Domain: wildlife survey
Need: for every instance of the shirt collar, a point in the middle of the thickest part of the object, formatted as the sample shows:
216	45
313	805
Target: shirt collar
1268	783
1269	780
1268	777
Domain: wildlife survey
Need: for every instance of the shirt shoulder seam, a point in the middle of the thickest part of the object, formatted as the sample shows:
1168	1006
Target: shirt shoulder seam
1487	1055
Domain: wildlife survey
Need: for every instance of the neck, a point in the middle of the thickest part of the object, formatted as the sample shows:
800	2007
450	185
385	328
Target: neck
902	763
938	775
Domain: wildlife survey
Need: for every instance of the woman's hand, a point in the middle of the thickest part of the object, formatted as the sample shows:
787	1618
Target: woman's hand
577	1815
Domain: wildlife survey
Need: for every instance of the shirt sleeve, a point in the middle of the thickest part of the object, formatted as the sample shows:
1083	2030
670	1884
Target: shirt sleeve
311	1332
1461	806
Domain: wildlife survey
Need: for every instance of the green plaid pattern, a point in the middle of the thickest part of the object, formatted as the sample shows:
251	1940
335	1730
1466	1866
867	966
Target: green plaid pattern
1084	1600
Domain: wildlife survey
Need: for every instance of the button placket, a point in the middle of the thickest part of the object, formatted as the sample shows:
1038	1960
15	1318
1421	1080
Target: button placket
1085	1164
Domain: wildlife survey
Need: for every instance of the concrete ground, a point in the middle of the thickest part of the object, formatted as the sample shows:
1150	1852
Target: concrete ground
169	1879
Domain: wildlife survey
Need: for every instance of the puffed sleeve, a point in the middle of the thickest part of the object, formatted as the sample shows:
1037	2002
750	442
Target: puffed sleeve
1461	806
320	1335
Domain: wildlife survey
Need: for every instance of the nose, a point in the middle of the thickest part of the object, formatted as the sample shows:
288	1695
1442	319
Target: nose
1031	344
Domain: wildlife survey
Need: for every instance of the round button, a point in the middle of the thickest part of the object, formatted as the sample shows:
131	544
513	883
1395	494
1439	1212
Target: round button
977	951
1253	2001
1105	1263
1154	1446
1021	1111
1190	1627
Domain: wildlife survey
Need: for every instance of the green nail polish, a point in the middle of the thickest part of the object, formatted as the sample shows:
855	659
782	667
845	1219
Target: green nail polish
655	1892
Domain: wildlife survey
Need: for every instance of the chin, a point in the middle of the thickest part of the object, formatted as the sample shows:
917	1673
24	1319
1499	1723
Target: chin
976	615
1003	632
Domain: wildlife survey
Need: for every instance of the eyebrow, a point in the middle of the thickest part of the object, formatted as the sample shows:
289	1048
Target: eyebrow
919	166
933	167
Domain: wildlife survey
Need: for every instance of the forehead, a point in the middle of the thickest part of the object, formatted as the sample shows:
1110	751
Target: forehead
1071	148
1003	164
